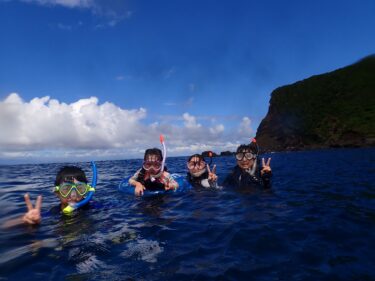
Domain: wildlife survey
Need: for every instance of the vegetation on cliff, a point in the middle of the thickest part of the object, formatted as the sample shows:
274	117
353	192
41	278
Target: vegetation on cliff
335	109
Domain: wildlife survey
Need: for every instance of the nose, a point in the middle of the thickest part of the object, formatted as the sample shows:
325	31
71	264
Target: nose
73	194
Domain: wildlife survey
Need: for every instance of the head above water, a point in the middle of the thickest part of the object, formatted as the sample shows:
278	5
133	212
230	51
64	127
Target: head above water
152	161
246	155
196	165
70	185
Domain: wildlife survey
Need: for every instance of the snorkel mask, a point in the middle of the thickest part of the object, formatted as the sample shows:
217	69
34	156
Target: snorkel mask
198	165
80	188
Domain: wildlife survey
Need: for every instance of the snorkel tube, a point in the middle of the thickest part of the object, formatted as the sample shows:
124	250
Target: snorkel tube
254	141
164	152
74	206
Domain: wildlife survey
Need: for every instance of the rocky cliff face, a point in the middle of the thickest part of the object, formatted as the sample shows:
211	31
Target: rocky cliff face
335	109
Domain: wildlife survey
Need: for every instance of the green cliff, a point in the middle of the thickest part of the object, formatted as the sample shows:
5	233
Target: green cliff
335	109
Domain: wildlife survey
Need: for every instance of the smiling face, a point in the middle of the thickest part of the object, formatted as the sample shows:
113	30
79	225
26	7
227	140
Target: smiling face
245	159
196	165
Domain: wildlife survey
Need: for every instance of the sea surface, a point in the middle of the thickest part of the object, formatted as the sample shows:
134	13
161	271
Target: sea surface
316	223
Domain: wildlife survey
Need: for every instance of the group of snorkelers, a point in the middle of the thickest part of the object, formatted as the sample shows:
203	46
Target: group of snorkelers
154	175
73	190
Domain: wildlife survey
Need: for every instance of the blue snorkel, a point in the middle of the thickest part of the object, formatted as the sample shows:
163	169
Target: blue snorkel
74	206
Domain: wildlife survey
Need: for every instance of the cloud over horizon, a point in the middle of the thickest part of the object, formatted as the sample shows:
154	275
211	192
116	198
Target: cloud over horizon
87	128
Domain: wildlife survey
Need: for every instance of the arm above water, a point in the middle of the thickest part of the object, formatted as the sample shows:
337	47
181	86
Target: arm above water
31	217
266	173
170	183
138	187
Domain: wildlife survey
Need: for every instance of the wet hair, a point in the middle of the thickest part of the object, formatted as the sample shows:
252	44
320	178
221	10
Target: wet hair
252	147
153	151
68	173
201	158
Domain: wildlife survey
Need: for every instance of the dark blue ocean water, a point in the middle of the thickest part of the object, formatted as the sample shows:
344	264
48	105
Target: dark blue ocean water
317	223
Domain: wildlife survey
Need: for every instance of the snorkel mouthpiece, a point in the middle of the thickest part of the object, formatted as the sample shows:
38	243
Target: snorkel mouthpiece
71	207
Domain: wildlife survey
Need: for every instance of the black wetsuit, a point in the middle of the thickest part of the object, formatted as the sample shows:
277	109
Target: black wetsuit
242	179
197	181
153	185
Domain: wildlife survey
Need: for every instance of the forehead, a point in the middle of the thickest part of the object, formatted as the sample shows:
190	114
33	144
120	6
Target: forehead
195	159
244	150
152	157
68	179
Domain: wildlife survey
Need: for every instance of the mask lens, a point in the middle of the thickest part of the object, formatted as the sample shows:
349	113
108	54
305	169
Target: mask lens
249	155
199	164
147	165
82	188
65	189
239	156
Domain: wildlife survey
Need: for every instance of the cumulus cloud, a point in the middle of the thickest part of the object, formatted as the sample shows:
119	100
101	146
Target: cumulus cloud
45	122
217	129
190	121
48	128
245	127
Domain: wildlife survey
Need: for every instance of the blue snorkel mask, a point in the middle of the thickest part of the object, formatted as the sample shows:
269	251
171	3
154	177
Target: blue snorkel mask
90	192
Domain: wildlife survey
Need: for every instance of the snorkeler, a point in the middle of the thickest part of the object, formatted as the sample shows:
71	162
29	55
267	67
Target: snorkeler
71	188
153	175
247	173
199	174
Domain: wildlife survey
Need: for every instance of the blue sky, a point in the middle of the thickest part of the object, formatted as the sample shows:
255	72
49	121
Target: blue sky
83	79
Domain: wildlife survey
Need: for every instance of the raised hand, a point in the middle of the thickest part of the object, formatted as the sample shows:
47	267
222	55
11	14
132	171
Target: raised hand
212	177
33	214
266	168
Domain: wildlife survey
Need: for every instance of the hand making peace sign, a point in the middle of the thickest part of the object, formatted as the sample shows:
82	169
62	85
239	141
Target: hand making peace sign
212	177
266	168
33	214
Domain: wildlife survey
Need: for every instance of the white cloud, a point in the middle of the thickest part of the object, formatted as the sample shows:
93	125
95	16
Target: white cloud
46	128
217	129
112	12
245	127
190	121
45	122
65	3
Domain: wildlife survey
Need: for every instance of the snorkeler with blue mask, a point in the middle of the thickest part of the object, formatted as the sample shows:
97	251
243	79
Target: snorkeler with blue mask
72	188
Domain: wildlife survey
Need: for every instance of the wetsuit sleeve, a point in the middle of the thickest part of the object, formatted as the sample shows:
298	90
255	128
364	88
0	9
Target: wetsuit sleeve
170	181
134	177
